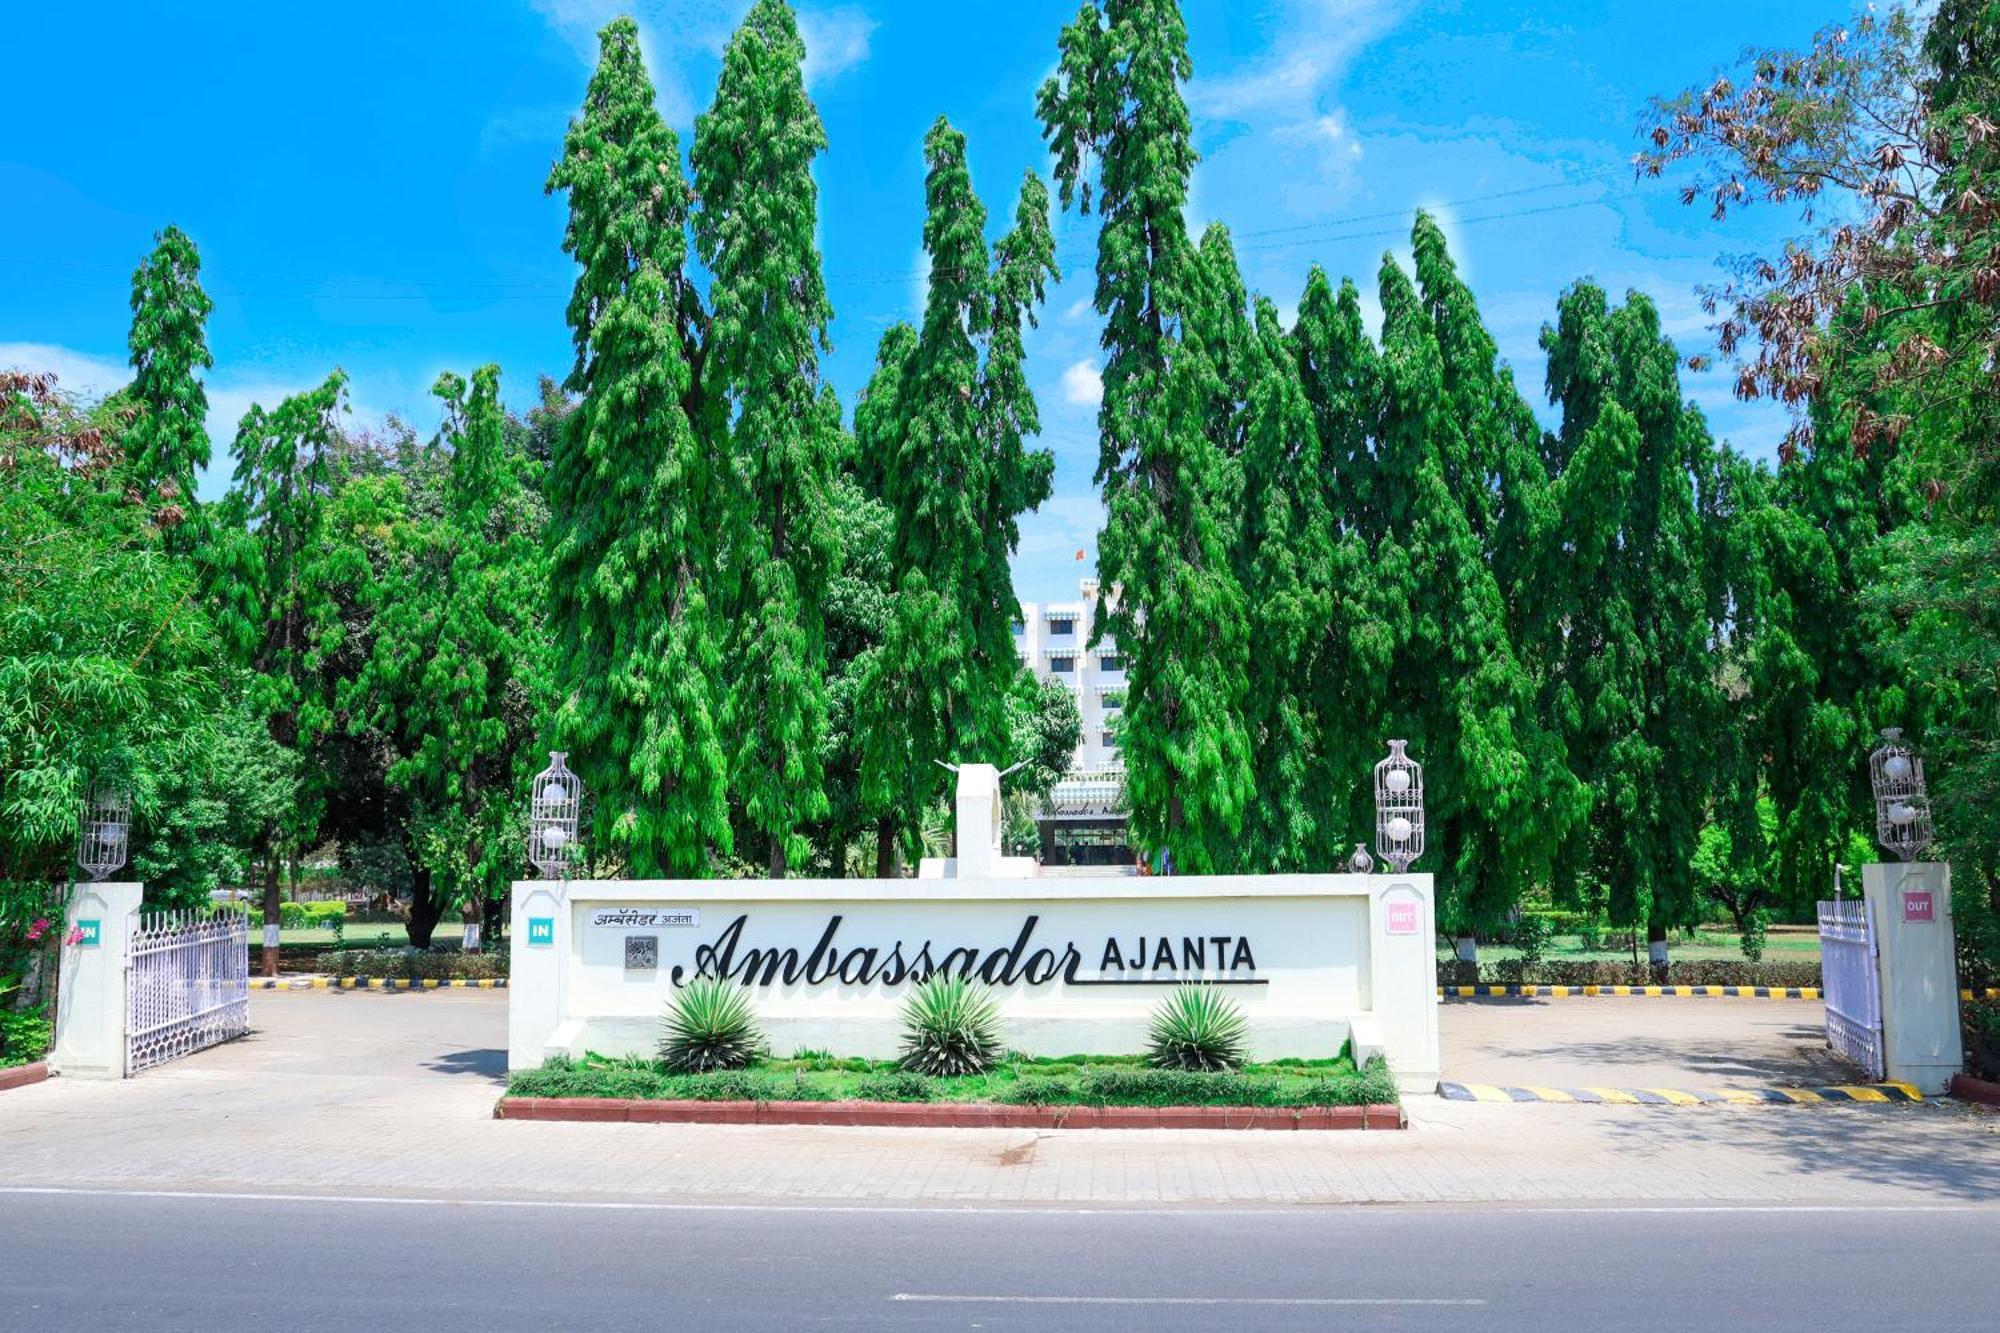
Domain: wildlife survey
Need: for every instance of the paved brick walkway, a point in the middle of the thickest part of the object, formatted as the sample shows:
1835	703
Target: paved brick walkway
391	1095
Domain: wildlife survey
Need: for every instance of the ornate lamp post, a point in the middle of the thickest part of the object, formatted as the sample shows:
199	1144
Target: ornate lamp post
1902	802
1399	808
554	805
107	832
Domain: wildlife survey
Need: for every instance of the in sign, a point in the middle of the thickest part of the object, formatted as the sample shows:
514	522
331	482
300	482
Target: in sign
1918	905
541	930
89	934
1402	918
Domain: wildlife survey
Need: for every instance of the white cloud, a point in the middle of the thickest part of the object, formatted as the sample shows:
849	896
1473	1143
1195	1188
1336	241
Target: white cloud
836	41
78	373
1082	385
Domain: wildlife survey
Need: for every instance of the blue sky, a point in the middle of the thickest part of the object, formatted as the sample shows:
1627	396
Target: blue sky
364	179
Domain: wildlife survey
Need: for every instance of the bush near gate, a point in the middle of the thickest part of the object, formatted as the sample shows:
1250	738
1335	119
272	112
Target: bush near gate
25	1034
1077	1080
1623	972
414	964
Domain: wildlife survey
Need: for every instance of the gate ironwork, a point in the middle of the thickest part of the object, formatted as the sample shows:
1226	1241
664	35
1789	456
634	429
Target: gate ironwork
1850	984
188	986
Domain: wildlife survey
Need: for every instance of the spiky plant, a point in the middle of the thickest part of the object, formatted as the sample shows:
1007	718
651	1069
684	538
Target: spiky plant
710	1025
1197	1027
950	1026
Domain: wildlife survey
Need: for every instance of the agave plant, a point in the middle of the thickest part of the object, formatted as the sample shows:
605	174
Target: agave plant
950	1026
1197	1027
710	1025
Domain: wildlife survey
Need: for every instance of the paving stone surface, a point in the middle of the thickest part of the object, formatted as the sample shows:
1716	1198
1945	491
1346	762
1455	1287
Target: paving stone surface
391	1095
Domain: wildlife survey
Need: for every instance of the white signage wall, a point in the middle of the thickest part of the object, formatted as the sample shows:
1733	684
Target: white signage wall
1077	963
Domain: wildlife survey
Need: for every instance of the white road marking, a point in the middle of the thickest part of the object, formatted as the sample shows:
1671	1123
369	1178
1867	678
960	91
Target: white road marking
1181	1300
1046	1210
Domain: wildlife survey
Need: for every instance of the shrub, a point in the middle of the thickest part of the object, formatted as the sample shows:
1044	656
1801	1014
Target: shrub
1197	1027
710	1025
950	1026
903	1085
1756	930
413	964
1531	936
25	1035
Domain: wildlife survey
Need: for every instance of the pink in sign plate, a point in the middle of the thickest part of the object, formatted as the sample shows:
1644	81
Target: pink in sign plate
1917	905
1402	918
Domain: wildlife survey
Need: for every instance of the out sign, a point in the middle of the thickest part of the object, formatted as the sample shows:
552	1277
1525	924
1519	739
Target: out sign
1918	906
1402	918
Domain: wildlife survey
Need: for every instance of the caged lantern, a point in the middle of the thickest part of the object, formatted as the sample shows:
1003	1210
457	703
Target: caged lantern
1399	808
107	831
555	804
1902	802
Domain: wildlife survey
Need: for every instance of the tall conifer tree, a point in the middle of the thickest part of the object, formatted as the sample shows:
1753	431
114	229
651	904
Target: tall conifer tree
753	154
1635	678
630	489
167	442
1493	778
1173	601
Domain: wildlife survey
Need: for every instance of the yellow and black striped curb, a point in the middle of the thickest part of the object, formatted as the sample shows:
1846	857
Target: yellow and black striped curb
375	983
1562	992
1732	992
1865	1092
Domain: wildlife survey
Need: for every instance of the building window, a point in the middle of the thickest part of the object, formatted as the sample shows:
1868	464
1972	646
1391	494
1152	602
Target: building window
1110	740
1062	625
1064	663
1111	662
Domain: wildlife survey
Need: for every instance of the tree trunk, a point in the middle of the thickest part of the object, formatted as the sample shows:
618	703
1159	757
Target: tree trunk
496	918
1466	949
777	858
469	918
1656	948
424	909
272	915
885	848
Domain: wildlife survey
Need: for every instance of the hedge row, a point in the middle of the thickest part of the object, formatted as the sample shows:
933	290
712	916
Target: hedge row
1624	972
293	916
413	964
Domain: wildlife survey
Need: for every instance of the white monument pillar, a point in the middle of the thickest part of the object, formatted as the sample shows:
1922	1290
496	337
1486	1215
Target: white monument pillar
1909	906
541	938
91	995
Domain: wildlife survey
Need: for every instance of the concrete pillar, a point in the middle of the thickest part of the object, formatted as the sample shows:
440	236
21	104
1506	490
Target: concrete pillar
979	821
1402	978
91	996
541	940
1909	907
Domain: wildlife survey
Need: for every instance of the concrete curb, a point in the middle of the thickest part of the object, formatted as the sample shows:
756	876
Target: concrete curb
374	983
1870	1092
1966	1088
20	1076
1574	992
946	1115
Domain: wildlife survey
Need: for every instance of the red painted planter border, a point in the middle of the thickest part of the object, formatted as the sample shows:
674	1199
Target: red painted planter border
20	1076
947	1115
1969	1089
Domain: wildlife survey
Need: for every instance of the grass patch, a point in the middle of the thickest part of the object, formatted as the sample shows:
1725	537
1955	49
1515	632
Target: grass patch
1074	1080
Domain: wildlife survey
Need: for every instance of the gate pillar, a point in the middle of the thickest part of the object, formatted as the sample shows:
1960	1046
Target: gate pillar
1909	905
90	997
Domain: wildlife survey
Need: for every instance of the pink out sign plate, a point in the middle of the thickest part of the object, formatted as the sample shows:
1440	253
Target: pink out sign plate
1402	918
1918	905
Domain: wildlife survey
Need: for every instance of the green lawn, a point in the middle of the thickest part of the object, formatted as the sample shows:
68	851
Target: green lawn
1067	1081
1785	944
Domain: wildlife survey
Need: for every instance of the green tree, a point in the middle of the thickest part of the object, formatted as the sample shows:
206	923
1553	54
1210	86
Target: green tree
1174	605
455	677
961	476
753	154
631	489
1635	678
267	570
1495	785
167	440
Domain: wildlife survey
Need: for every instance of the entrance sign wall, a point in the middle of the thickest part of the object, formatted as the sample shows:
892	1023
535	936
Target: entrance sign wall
1909	910
1077	963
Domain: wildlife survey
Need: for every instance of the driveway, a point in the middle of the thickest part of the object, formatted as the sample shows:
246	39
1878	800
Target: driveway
1657	1042
379	1096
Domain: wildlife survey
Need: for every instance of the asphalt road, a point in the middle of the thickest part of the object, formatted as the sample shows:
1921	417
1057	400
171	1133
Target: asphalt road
117	1261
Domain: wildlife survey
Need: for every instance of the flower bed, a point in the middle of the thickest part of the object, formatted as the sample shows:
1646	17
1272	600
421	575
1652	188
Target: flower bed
1074	1081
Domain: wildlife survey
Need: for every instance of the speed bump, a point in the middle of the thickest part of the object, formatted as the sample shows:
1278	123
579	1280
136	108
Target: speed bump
1858	1092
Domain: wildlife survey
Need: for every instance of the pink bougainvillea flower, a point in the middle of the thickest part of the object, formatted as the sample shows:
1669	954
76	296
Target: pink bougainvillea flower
75	935
37	928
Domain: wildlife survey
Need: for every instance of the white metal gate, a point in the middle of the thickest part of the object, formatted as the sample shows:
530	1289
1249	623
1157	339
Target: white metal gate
1850	986
188	986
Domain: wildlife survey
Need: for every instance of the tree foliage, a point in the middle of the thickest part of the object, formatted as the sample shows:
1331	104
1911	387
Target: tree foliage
167	439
